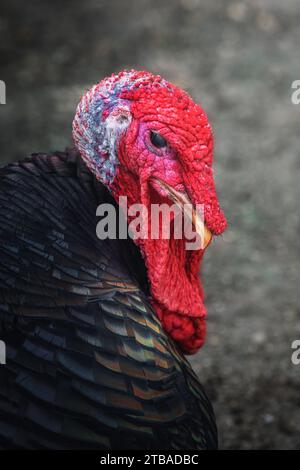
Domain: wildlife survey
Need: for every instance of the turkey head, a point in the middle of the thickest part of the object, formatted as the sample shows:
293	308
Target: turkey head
147	140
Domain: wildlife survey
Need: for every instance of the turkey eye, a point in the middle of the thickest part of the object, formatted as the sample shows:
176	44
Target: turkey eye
157	140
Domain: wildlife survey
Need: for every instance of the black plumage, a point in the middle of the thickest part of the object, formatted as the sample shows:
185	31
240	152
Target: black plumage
88	363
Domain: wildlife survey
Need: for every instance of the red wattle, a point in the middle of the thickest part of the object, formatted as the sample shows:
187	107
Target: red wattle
188	332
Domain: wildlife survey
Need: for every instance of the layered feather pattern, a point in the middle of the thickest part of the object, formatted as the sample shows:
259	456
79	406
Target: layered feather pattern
88	363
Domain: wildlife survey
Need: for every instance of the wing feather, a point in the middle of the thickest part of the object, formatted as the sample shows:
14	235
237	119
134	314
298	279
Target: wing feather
88	364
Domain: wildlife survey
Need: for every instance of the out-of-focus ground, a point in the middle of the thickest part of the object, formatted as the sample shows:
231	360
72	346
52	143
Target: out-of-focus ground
238	59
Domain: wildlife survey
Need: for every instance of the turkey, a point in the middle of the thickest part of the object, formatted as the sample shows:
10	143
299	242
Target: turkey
97	329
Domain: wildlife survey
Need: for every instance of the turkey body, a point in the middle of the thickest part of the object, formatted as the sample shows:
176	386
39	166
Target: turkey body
88	364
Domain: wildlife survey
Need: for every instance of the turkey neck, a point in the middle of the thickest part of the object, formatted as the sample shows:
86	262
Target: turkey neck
173	271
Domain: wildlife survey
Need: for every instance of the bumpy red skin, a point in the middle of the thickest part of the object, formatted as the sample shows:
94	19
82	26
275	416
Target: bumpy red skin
173	272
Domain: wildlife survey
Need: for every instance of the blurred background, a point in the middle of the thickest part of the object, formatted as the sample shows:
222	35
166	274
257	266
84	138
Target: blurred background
238	59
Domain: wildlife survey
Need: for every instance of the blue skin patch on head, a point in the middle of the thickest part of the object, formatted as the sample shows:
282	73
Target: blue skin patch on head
96	129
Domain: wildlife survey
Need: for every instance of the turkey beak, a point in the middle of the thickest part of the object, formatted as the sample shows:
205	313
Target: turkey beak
184	203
